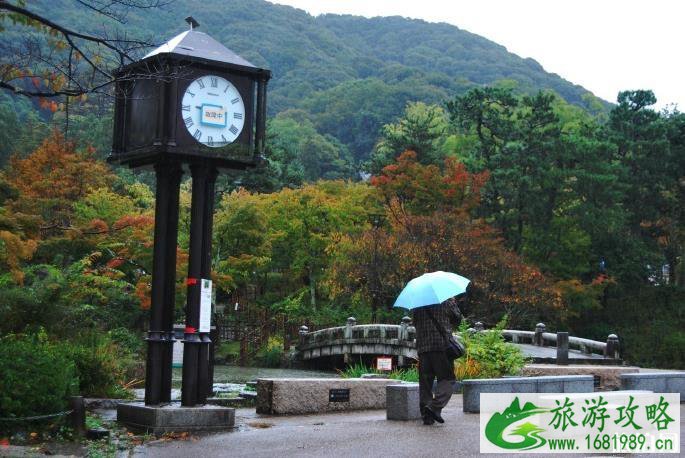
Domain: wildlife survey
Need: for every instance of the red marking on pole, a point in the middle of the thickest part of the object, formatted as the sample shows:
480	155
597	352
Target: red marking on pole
191	281
190	330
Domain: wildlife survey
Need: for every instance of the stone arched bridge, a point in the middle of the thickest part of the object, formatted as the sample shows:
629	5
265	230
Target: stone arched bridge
352	341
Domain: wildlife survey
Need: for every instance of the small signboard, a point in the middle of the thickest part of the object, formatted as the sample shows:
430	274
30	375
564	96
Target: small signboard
205	305
384	363
213	115
339	395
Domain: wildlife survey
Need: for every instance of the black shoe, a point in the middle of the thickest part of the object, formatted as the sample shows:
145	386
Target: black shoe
435	416
428	420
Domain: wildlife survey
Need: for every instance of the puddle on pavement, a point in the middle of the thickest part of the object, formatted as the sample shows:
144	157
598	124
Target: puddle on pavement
260	424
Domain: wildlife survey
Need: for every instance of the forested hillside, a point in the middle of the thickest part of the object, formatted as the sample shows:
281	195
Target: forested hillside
346	75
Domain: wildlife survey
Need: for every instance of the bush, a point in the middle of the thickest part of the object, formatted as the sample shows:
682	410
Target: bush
128	340
37	377
227	352
101	365
272	353
487	354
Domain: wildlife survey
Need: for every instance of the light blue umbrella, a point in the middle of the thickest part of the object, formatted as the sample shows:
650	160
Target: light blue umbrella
430	289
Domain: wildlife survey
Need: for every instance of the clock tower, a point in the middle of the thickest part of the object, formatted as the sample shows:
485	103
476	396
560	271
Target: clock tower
191	105
190	98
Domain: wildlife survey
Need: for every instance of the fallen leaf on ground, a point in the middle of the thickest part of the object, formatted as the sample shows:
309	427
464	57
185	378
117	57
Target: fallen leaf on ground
261	425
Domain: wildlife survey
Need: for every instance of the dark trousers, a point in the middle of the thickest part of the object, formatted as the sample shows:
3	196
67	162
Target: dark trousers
435	365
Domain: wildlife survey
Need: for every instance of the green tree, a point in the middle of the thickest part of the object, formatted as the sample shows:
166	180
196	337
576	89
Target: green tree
422	128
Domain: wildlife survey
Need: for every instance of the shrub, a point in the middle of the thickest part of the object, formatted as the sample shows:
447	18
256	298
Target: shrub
128	340
227	352
37	377
101	365
271	354
488	355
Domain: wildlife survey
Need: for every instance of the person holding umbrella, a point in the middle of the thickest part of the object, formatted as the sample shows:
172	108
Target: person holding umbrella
433	300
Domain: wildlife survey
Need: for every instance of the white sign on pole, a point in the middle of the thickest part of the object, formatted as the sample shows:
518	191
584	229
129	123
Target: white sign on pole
205	305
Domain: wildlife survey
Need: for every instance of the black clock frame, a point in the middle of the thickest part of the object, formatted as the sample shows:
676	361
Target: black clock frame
148	122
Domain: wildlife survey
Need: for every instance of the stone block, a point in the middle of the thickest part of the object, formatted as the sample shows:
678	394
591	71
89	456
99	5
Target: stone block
291	396
585	385
609	375
402	401
549	386
174	418
523	387
657	382
472	388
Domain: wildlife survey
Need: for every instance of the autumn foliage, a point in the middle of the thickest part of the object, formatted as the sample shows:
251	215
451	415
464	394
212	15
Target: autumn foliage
53	177
429	227
423	189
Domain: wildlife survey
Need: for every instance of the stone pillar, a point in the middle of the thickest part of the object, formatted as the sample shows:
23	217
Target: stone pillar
304	330
562	348
538	339
351	321
404	325
403	334
612	348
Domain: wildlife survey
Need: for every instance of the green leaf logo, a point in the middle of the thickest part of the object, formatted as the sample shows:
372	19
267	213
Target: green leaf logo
499	422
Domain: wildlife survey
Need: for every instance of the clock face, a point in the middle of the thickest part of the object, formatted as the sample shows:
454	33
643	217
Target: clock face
213	111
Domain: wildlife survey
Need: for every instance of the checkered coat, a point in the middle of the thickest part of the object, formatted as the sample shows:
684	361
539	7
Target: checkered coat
428	338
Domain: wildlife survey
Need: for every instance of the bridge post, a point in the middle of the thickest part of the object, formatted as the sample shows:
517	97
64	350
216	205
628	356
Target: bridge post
538	339
562	348
404	328
303	334
351	321
611	350
403	334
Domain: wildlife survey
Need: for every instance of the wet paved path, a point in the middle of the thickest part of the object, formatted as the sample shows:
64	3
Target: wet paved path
354	434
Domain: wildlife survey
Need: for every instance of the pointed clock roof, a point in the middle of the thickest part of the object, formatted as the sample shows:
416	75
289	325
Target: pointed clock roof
199	45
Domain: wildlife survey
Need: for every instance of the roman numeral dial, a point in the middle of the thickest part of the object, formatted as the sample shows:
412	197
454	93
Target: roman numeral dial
213	111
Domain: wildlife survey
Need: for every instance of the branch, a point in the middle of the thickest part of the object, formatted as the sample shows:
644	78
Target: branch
49	94
63	30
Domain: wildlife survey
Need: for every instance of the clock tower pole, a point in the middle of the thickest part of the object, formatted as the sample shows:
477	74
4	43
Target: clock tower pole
191	105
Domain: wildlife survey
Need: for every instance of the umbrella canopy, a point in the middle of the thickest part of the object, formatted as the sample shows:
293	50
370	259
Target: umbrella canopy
431	289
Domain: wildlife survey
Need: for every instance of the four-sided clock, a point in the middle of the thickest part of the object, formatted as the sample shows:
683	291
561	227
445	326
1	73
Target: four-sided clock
213	111
191	98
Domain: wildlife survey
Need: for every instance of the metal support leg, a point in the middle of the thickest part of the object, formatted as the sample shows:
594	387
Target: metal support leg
169	311
168	176
196	345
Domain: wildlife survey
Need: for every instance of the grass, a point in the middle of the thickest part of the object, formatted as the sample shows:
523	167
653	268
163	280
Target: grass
356	370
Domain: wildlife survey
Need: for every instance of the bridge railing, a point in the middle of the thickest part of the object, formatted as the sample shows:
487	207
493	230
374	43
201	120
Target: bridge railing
404	334
400	334
539	337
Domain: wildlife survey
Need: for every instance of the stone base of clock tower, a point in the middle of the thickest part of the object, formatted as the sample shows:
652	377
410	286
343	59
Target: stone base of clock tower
159	420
